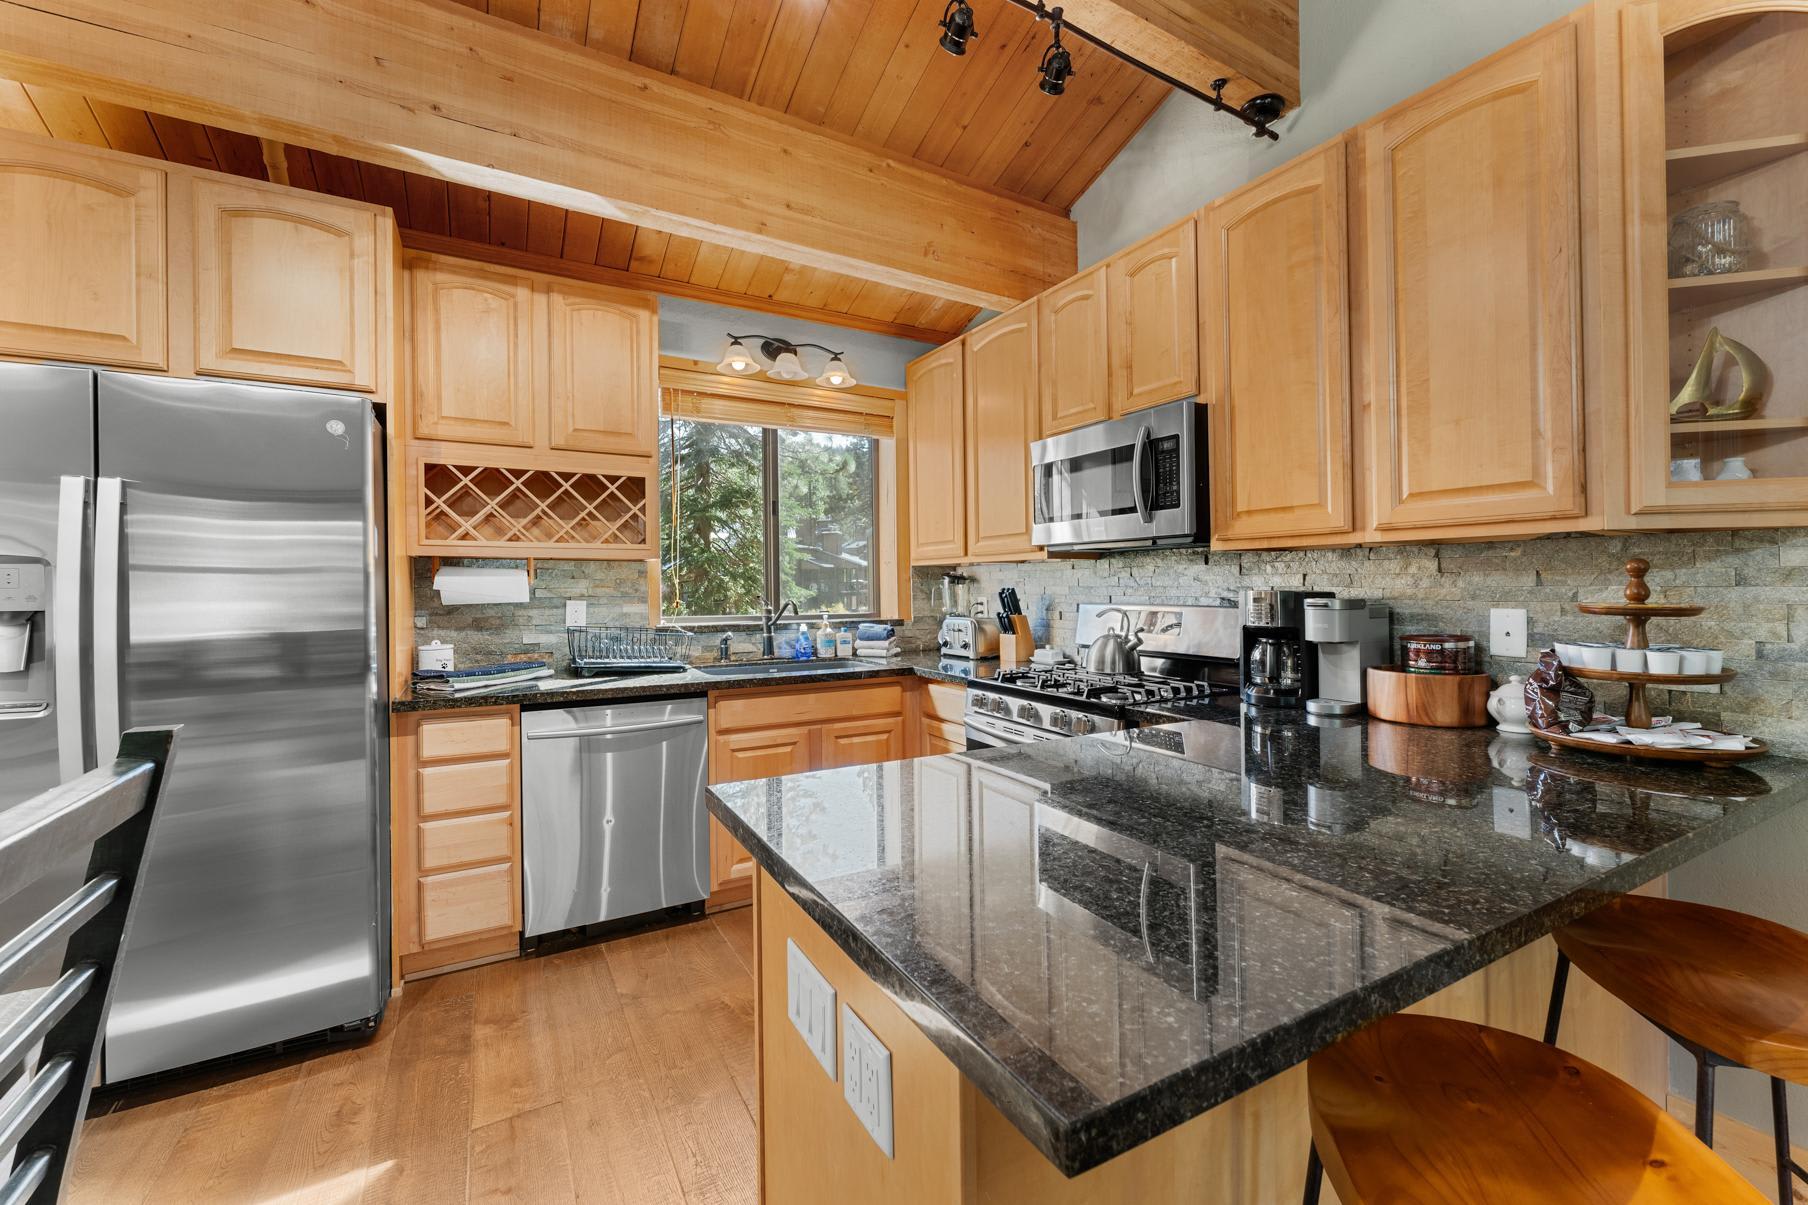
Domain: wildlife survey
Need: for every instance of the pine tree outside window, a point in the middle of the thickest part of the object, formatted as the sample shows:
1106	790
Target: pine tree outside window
751	513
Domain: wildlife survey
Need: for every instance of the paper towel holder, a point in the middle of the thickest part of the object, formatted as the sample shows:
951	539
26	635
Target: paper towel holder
433	567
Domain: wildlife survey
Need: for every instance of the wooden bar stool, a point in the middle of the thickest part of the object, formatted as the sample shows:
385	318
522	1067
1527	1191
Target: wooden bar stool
1423	1109
1729	988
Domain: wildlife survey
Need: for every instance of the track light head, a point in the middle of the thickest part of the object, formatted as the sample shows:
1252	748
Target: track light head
957	27
1057	64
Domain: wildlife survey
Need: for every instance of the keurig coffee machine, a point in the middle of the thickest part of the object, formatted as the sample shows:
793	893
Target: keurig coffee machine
1345	636
1275	668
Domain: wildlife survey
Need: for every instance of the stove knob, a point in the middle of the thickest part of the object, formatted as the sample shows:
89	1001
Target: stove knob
1061	721
1084	724
1028	714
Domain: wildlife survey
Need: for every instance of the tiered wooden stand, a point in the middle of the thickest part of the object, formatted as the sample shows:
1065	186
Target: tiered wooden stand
1637	612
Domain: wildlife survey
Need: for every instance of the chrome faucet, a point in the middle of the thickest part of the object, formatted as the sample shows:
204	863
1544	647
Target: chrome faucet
768	620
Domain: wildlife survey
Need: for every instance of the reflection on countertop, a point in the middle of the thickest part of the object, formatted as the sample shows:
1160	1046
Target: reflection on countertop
1111	934
694	681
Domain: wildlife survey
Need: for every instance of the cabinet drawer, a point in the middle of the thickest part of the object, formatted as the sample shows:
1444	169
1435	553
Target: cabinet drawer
466	902
464	736
465	840
759	710
465	786
945	701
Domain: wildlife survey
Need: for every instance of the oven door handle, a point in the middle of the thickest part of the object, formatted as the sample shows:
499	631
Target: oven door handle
560	734
1144	508
1142	909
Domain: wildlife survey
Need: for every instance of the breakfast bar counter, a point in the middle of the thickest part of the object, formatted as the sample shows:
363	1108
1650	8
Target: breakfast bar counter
1081	952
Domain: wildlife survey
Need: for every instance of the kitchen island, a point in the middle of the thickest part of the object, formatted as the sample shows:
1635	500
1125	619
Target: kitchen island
1098	964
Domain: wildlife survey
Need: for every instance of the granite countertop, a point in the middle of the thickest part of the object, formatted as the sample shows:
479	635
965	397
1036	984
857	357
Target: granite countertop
691	682
1299	878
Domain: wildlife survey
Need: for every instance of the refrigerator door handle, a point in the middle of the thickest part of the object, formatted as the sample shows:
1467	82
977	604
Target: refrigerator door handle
109	505
66	618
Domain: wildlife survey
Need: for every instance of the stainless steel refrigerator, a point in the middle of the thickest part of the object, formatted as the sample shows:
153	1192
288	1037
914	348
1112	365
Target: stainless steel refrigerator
210	554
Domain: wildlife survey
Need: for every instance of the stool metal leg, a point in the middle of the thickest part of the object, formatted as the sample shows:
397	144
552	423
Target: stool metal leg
1704	1098
1315	1175
1559	981
1779	1119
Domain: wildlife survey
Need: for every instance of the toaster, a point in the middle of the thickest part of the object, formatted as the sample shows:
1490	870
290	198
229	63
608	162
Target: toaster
969	637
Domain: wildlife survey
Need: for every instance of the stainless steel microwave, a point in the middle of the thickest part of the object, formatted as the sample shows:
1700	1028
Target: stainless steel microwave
1136	481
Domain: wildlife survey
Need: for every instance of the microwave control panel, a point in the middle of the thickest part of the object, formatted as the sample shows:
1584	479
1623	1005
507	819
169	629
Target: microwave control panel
1165	453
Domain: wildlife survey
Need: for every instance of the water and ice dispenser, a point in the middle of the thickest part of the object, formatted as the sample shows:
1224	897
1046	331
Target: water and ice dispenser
24	593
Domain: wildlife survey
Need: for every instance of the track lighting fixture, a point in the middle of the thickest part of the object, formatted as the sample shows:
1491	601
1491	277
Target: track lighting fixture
1057	64
957	27
1258	112
787	365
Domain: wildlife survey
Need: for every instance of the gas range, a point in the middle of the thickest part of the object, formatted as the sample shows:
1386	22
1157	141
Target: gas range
1038	703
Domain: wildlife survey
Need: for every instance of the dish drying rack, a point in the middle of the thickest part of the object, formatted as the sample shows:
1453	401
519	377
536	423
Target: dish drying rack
616	649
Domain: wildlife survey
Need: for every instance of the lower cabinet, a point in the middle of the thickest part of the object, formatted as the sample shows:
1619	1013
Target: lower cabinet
943	709
456	787
852	724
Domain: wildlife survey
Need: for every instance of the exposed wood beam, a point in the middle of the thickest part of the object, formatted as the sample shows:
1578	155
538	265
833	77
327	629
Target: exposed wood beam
276	160
509	257
1252	43
430	86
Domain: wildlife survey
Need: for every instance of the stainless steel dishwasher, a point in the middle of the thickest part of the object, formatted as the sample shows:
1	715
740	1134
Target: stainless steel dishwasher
613	820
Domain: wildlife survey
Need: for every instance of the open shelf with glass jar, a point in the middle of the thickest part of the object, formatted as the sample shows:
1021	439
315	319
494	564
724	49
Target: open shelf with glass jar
1717	141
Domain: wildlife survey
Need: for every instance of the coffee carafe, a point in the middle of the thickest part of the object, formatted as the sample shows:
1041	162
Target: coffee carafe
1273	669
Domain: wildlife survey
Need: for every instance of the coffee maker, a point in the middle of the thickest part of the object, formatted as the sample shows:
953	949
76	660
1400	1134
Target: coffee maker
1347	636
1273	668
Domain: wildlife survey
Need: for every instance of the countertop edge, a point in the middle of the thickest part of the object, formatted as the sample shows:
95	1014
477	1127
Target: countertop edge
1078	1146
672	685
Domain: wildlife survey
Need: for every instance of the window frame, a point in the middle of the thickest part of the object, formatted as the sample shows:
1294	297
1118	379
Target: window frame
772	537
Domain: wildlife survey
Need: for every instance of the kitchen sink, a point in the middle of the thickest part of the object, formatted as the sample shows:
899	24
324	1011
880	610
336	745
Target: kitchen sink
754	669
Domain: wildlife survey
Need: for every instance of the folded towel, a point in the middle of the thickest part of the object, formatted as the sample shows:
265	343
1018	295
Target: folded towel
875	631
879	652
885	646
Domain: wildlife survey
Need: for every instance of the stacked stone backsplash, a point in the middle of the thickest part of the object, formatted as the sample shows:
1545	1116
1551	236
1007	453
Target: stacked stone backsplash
615	591
1754	585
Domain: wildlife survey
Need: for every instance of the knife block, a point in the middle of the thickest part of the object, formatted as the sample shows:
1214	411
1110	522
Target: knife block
1016	646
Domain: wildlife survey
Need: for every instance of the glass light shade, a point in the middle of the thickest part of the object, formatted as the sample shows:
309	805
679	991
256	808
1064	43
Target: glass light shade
738	361
837	375
787	367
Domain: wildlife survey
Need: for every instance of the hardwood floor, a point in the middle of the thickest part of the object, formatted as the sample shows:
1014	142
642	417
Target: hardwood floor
619	1072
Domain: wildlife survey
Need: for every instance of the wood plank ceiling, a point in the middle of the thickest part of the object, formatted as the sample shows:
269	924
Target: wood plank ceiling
870	69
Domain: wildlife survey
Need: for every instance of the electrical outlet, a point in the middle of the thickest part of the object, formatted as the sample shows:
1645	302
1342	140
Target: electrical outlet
810	1003
577	613
1507	632
866	1078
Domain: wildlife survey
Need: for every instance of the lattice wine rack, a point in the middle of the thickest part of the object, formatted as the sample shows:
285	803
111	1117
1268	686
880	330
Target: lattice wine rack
572	513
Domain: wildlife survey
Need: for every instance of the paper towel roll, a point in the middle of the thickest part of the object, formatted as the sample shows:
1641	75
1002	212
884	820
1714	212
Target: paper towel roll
461	584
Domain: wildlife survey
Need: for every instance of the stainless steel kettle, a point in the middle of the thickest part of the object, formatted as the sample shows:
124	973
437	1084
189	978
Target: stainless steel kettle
1114	652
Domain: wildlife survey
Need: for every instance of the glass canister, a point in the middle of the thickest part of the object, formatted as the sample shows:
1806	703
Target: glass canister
1710	240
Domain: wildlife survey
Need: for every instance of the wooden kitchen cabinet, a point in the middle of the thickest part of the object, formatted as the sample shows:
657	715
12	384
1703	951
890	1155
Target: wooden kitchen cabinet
471	331
822	727
935	424
1274	300
942	708
603	365
1074	372
83	244
1002	407
286	286
1152	294
456	800
1715	111
1472	267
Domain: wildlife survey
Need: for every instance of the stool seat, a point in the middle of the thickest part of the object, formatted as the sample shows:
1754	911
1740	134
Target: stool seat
1422	1109
1733	983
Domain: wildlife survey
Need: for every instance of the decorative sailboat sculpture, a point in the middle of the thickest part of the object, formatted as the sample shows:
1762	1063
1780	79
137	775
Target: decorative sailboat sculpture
1695	402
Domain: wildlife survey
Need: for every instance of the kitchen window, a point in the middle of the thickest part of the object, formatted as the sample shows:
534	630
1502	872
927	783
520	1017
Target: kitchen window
750	512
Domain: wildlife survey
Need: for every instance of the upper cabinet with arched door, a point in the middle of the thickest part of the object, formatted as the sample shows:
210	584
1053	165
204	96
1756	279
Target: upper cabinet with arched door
1716	117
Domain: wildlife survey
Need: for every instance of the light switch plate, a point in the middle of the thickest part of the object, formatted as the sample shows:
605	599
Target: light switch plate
1507	632
810	1003
577	612
866	1078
